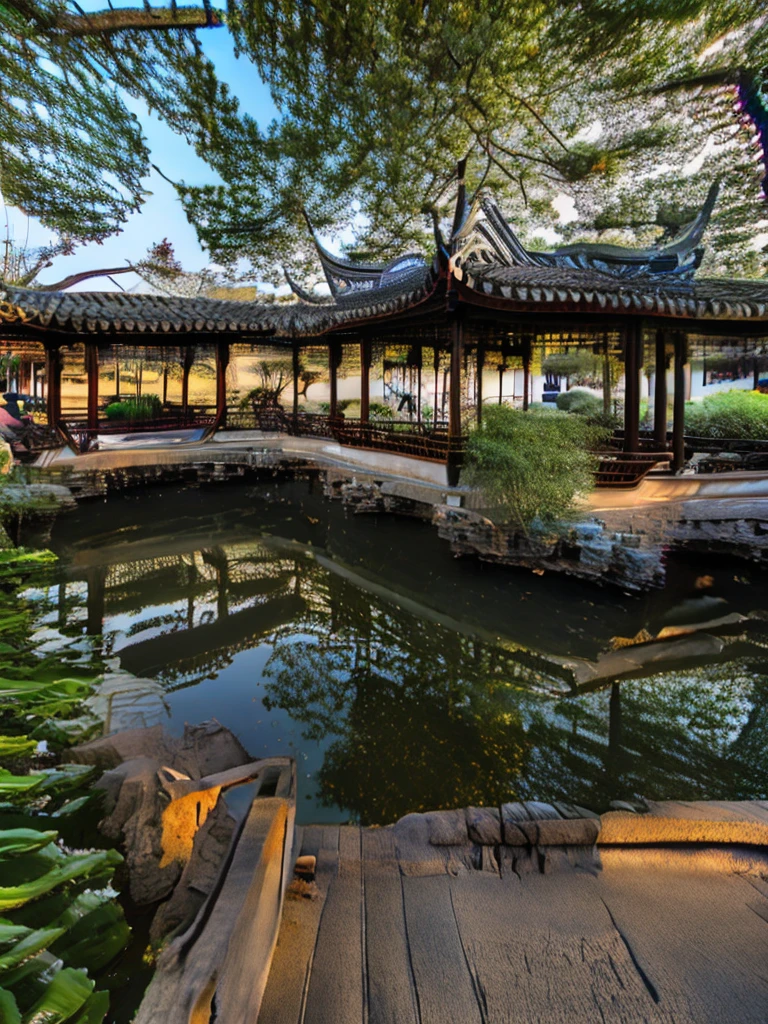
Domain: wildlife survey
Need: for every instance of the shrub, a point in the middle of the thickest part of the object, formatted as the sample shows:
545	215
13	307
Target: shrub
582	402
581	363
148	407
742	414
532	465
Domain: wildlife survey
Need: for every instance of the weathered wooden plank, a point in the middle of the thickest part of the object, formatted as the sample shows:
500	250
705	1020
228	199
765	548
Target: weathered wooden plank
236	926
286	991
391	987
543	950
335	994
444	986
696	939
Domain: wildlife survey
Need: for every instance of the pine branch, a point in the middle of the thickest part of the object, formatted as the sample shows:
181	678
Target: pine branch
151	19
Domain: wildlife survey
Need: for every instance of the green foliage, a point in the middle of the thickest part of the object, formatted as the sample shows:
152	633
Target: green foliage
531	466
579	363
147	407
579	401
398	93
740	414
52	933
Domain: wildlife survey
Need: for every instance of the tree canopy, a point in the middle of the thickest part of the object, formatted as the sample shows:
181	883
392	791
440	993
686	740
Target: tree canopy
614	104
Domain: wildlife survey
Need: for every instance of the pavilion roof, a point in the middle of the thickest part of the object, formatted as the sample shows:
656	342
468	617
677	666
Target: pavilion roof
128	313
488	267
521	288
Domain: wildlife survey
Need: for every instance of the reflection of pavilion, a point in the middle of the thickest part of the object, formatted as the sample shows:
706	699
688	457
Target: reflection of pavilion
483	297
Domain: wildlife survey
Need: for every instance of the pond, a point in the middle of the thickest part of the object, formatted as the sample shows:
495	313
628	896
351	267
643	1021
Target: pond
402	679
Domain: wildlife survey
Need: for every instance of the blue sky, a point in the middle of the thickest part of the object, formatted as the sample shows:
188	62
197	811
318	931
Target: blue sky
161	215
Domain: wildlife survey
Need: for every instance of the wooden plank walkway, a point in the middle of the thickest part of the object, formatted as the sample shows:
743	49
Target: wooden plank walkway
434	921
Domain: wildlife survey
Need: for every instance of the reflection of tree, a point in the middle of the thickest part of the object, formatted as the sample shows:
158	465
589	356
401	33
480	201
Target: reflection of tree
425	717
696	734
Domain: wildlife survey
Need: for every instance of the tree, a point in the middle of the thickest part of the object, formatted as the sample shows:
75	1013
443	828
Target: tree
606	102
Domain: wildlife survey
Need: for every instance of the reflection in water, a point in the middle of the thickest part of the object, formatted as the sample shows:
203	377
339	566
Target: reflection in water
401	679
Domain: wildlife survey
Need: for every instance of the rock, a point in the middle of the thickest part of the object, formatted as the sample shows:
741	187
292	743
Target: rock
110	751
208	748
137	819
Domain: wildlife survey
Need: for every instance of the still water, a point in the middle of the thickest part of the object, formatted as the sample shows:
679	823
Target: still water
400	678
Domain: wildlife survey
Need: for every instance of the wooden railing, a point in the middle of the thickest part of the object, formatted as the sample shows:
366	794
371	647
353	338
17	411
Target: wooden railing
627	469
401	437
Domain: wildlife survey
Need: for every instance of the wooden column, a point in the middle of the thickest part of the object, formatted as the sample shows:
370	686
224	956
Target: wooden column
222	362
418	385
526	371
296	369
755	373
53	385
436	367
365	381
480	365
188	359
678	415
334	358
632	337
660	393
454	393
117	372
454	400
92	373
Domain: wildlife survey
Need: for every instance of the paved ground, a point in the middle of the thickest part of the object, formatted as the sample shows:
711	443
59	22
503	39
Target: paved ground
405	932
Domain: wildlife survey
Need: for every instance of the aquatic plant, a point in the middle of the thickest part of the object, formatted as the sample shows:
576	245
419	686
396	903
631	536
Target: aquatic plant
531	465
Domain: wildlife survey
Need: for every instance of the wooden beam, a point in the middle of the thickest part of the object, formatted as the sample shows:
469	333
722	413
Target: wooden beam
454	393
296	369
365	381
187	360
334	359
660	392
92	374
222	362
53	385
631	388
678	415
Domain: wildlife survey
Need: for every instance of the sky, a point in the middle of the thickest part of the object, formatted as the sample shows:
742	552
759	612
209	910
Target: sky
161	216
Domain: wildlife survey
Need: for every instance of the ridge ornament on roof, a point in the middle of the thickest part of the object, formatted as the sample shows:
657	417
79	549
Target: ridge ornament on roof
485	237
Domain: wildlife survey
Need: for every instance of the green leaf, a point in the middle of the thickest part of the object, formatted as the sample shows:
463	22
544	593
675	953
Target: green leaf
95	940
74	866
23	840
9	1011
94	1011
16	746
11	933
68	992
29	946
12	785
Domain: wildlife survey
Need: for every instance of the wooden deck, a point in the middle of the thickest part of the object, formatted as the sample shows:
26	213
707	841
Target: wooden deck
419	923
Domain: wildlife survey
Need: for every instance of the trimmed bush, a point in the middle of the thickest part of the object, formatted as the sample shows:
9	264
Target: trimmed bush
740	414
148	407
580	401
532	465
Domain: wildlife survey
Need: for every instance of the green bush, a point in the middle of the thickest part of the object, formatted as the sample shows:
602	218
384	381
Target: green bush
148	407
742	414
582	402
532	465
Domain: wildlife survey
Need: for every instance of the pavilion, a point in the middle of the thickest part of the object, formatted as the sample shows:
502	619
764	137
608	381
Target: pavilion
482	293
